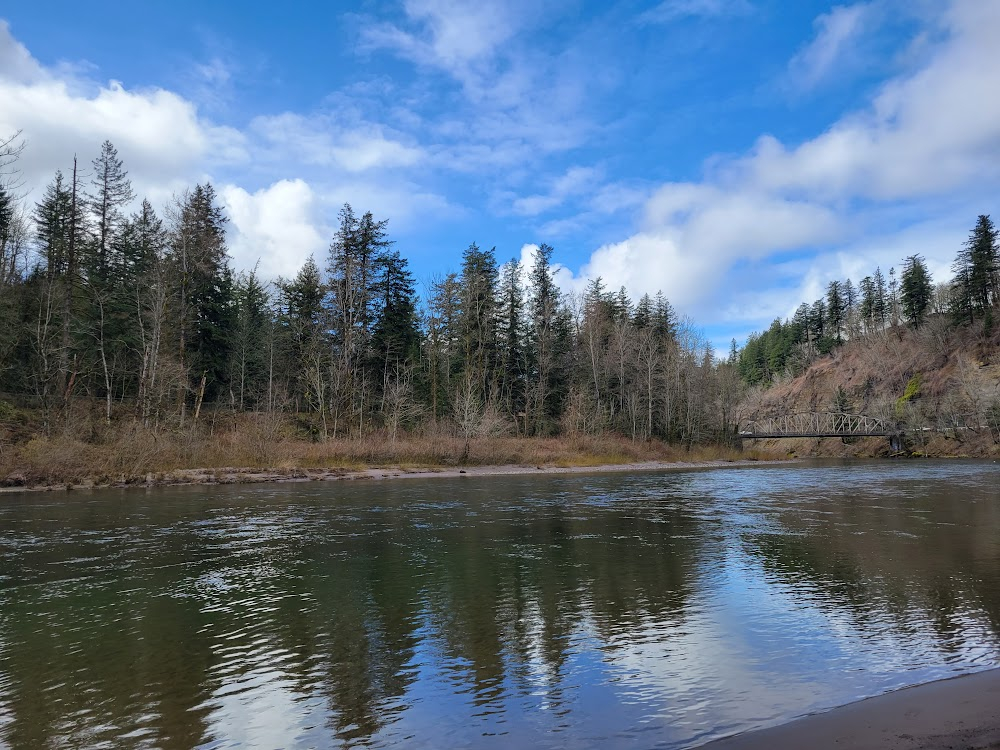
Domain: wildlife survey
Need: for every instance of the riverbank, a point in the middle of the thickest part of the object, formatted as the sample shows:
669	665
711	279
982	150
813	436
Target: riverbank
245	453
937	444
961	712
234	475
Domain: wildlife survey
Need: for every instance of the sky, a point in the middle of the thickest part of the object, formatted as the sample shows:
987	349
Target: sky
736	154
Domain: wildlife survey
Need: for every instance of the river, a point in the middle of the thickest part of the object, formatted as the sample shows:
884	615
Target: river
659	609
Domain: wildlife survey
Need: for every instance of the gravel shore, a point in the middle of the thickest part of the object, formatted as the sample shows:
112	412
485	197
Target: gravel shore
962	713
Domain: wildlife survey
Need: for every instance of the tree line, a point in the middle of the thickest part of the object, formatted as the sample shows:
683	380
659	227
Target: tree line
848	312
108	304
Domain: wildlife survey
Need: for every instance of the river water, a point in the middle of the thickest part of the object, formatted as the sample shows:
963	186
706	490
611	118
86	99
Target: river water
635	611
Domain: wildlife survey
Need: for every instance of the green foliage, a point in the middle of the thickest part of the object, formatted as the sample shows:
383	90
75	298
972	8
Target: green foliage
836	309
977	273
916	290
143	317
841	402
911	391
7	412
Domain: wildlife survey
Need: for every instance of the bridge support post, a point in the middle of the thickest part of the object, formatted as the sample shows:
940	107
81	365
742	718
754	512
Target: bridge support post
896	442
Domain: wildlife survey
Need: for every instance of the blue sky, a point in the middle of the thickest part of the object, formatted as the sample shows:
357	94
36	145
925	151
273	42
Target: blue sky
737	154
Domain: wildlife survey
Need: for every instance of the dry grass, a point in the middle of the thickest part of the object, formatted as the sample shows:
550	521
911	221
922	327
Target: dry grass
957	371
127	453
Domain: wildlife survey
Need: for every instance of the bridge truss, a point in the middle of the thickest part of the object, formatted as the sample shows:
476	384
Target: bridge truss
817	425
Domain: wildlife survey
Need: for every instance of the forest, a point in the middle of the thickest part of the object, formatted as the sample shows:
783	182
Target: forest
848	313
120	319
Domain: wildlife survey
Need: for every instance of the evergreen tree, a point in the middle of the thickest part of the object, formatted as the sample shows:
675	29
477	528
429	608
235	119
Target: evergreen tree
511	335
61	232
52	226
549	333
817	319
850	297
880	304
835	309
203	287
977	273
8	238
893	299
302	338
643	315
664	318
868	303
395	337
916	290
357	247
251	328
443	341
479	316
111	192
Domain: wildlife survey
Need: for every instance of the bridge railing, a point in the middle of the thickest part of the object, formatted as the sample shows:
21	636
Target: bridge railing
818	424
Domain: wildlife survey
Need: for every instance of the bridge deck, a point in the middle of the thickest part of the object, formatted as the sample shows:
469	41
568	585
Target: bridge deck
817	425
777	435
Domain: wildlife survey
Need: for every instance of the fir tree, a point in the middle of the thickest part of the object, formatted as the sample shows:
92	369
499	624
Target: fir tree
835	308
977	273
111	191
916	290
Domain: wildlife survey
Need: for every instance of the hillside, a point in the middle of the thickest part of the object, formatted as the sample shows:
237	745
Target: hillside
941	382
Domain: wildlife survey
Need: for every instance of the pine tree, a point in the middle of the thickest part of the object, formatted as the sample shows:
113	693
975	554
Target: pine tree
61	232
664	318
511	334
977	273
443	340
203	286
479	316
395	337
302	339
357	246
52	222
548	335
251	329
916	290
111	192
880	306
8	258
868	302
835	308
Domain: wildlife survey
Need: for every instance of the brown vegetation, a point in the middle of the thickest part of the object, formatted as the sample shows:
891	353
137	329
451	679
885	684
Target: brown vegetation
940	383
129	453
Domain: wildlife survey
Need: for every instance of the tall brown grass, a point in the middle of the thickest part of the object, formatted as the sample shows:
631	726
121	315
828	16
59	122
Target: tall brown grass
127	452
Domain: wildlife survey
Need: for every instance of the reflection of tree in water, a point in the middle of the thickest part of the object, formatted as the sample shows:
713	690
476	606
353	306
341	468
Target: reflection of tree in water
889	557
498	596
88	655
167	617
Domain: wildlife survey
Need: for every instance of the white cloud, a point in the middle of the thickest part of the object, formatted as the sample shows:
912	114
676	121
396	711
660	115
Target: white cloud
671	10
574	181
158	133
562	276
517	102
322	141
836	32
16	63
452	34
305	166
275	228
930	133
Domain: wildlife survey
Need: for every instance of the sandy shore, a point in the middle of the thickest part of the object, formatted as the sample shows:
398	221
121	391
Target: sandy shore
232	475
962	713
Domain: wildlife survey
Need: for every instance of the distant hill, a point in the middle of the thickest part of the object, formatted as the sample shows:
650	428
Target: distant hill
941	382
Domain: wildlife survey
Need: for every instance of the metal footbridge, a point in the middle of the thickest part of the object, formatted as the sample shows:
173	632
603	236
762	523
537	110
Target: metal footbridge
817	425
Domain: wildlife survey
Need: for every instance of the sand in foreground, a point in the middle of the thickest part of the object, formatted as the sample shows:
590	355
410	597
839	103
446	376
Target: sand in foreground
962	713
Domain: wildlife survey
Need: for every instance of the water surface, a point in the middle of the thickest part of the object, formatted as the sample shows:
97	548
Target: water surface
604	611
